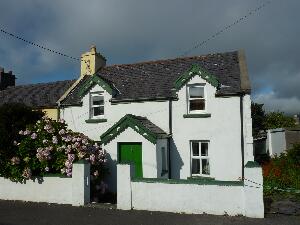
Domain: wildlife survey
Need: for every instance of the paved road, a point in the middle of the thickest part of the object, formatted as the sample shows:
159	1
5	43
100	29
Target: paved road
24	213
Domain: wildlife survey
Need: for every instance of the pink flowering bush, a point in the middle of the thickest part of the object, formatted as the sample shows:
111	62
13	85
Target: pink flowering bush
49	147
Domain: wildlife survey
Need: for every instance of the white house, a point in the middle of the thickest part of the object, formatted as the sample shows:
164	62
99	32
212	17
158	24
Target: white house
177	118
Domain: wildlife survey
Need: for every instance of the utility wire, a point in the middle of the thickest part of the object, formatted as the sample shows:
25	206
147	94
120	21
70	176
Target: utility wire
37	45
250	13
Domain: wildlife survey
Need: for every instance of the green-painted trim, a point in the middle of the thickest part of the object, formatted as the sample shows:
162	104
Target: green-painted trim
251	164
141	100
58	175
200	115
91	81
125	122
189	181
81	161
200	178
96	120
196	70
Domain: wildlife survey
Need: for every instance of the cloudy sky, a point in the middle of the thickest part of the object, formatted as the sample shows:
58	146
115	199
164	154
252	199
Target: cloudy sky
128	31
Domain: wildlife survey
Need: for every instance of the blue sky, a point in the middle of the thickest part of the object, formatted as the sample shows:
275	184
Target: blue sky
139	30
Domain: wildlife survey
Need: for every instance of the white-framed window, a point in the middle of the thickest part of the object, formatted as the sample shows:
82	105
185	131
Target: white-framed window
96	105
200	158
196	98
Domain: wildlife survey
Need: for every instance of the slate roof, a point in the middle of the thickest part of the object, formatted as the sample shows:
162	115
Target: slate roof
149	125
40	95
139	124
155	79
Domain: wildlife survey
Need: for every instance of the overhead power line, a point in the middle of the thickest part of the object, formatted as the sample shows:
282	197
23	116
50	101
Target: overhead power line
250	13
37	45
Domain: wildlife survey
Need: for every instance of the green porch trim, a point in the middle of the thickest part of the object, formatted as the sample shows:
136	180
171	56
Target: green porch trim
251	164
125	122
196	70
189	181
199	115
96	120
91	81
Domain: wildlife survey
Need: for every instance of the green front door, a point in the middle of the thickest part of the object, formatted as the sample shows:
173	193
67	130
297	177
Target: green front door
132	153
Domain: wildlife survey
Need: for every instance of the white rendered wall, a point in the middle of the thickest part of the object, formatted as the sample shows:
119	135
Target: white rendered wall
222	129
156	112
276	142
148	156
75	190
248	139
161	143
191	198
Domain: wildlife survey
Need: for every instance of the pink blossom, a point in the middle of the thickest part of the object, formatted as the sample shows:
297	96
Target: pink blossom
34	136
47	169
15	143
47	127
15	160
71	157
21	132
27	132
62	132
96	173
61	120
27	173
54	140
68	164
45	141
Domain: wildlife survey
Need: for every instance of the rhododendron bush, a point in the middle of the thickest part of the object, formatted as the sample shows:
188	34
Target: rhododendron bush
49	147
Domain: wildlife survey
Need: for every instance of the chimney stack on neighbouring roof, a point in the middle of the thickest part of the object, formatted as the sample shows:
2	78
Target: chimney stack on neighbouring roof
6	79
91	62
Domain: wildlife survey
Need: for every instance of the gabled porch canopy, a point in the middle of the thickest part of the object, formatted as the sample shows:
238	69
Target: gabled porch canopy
139	124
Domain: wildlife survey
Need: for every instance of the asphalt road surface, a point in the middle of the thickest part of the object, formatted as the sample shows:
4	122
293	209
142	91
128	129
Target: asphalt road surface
25	213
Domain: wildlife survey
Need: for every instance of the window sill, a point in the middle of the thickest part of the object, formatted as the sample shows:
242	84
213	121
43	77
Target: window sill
198	115
96	120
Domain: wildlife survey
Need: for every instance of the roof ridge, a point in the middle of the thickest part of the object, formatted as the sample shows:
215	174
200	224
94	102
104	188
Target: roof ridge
171	59
37	84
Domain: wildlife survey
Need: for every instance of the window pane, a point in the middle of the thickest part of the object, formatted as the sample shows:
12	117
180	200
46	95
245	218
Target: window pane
195	166
97	111
195	148
205	166
197	92
98	100
204	149
197	104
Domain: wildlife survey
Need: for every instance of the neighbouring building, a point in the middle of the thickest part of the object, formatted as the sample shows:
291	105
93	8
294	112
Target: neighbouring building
43	96
275	141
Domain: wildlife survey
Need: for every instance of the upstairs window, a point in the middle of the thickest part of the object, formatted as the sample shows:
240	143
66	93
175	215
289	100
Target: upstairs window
196	98
96	105
200	158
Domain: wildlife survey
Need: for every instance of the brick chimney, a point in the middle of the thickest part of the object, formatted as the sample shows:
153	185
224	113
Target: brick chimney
91	62
6	79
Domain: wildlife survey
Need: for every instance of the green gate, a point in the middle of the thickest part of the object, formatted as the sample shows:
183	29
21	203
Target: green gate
131	153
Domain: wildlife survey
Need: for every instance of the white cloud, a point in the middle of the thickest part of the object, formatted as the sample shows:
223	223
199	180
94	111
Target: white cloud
273	103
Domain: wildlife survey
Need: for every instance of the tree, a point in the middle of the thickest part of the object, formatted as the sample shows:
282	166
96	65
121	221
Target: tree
278	120
264	121
258	118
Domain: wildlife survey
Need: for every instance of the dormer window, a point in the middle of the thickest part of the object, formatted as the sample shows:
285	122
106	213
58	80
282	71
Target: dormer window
196	98
96	105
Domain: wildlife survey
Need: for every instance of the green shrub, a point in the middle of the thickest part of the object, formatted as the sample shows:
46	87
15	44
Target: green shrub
283	172
13	118
49	147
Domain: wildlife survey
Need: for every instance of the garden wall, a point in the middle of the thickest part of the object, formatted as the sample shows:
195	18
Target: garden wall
192	196
73	190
